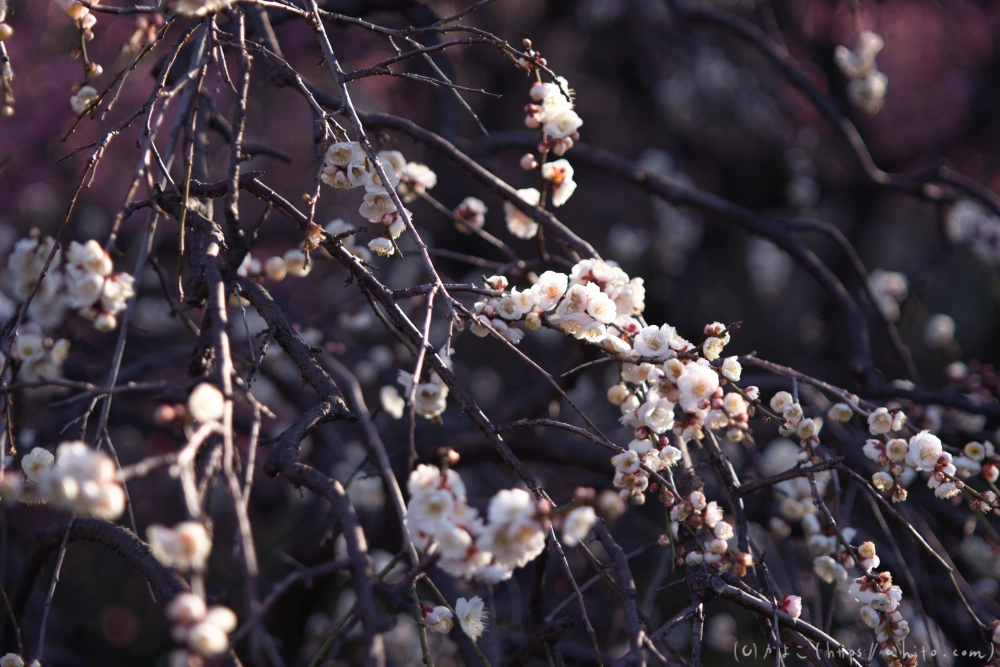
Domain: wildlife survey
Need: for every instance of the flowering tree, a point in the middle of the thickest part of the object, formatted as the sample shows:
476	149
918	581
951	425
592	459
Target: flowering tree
287	425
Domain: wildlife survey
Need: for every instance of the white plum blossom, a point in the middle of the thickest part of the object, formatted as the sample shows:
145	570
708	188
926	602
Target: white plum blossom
829	570
382	247
731	369
657	414
206	403
519	224
83	99
924	451
391	402
202	7
697	385
577	525
670	455
559	174
186	546
431	397
879	422
867	85
840	412
655	342
472	616
36	464
297	263
415	179
473	212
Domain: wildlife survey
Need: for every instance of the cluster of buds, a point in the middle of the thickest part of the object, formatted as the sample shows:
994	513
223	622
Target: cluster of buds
880	608
202	629
146	27
81	16
867	86
806	429
295	262
346	165
697	514
536	59
645	455
924	452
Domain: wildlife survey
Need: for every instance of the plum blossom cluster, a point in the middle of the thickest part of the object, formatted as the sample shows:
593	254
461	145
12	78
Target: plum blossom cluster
40	357
86	282
704	518
471	614
880	608
94	289
551	111
346	166
969	223
806	429
890	288
84	95
441	521
682	396
202	630
795	494
600	304
77	479
923	452
597	302
867	85
832	559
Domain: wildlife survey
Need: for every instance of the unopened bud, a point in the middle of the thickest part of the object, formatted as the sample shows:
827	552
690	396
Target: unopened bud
528	162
